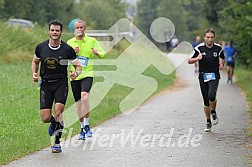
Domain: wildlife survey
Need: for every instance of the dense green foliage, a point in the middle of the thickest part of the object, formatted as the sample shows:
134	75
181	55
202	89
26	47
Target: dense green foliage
235	21
183	13
97	13
147	13
176	15
101	15
21	42
194	16
38	11
245	81
232	19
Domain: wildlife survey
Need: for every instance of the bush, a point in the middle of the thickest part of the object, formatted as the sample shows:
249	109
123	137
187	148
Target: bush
18	44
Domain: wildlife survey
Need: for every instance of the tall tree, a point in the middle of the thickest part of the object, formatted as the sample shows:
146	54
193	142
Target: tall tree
174	11
16	9
147	13
101	14
212	9
37	10
236	24
195	17
47	10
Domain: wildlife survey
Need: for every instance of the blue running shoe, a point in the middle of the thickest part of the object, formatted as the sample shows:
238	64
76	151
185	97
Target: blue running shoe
56	148
88	131
51	130
81	135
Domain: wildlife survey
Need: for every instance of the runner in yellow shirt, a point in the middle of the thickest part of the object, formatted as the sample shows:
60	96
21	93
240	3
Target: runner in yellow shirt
85	48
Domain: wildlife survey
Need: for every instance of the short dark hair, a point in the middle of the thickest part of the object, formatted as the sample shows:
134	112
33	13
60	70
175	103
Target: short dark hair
209	30
56	22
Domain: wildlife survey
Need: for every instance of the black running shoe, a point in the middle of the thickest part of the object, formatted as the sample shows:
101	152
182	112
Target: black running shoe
214	117
208	127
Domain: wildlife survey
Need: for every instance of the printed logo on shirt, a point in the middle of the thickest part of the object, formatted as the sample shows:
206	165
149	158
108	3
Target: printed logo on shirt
215	54
204	53
51	63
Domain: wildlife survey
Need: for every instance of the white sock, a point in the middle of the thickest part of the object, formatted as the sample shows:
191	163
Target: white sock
82	124
86	121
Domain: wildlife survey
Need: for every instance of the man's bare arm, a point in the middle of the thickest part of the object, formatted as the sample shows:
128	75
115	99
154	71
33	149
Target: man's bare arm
35	67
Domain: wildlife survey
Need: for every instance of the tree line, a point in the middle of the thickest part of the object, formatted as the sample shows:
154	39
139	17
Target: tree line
98	14
232	19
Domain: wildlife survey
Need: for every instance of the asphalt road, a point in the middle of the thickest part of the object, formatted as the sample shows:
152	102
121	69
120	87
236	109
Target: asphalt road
166	131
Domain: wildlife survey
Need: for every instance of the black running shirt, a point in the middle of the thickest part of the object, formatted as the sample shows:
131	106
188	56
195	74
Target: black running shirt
210	58
50	68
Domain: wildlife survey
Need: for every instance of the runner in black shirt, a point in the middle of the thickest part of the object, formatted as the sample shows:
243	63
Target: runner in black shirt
211	59
54	85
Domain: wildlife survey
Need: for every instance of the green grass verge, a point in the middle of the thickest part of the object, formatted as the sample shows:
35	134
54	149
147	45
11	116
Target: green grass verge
245	81
21	129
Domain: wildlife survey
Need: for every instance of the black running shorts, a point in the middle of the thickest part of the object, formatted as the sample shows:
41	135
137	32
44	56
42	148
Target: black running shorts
53	92
83	85
231	64
208	90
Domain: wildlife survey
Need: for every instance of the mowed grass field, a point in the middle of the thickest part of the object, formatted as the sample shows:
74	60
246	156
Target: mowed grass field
21	129
245	82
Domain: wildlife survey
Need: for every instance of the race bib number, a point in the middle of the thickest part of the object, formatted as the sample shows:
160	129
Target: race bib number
83	61
230	58
209	76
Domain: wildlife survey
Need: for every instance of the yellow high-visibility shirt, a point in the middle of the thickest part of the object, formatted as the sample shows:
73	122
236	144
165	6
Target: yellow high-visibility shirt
85	54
